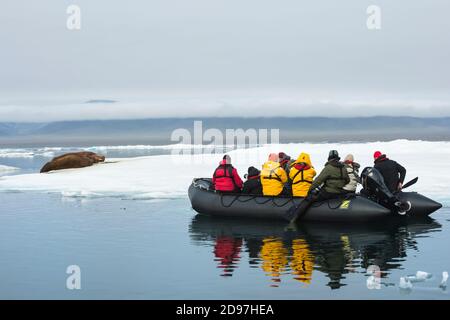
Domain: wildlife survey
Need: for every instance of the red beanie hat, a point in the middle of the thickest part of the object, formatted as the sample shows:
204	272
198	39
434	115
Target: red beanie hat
377	154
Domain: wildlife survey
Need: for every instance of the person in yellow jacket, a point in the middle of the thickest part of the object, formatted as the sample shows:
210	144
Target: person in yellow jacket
273	176
302	174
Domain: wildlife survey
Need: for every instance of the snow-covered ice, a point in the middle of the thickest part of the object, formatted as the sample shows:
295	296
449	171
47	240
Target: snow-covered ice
168	176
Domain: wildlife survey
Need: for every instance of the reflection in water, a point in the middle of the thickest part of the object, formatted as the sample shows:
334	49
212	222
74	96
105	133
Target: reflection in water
274	258
334	250
226	251
302	263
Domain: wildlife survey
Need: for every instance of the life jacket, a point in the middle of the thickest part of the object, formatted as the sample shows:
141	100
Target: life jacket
270	173
301	167
302	174
226	172
273	178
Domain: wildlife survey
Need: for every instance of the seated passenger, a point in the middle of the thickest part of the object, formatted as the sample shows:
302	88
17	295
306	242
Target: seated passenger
285	161
273	176
253	183
226	177
353	173
302	174
333	178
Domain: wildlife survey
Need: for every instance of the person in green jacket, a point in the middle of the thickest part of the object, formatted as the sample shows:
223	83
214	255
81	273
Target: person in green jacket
332	179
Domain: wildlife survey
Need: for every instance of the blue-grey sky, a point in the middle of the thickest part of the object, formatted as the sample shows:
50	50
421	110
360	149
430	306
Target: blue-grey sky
223	57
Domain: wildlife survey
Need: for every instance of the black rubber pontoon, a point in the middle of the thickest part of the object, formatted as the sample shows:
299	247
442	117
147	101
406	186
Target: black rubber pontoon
351	208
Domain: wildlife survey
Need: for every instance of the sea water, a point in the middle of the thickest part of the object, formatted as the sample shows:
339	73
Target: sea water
156	247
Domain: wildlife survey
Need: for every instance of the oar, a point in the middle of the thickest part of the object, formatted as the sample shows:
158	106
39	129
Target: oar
410	183
297	212
292	216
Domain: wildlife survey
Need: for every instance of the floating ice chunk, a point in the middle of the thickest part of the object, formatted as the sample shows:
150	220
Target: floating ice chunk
30	152
373	283
443	284
405	284
69	194
9	154
48	154
80	194
422	275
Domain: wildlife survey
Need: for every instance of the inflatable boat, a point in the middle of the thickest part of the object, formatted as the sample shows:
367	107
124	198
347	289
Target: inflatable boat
348	208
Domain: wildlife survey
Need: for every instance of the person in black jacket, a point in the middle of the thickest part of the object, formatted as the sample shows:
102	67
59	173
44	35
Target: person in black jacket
253	183
393	173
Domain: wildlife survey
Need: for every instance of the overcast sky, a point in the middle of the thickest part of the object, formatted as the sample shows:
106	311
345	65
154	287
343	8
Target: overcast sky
223	57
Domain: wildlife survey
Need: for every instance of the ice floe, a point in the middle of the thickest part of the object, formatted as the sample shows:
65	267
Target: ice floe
405	284
168	176
412	283
420	276
30	152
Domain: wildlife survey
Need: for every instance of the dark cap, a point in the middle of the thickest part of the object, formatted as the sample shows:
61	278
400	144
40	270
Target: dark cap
252	172
333	155
283	156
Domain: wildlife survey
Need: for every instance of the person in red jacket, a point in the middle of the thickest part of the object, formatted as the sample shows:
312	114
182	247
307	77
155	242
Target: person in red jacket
226	177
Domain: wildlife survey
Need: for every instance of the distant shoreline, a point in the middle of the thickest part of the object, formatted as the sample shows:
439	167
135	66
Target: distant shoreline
158	131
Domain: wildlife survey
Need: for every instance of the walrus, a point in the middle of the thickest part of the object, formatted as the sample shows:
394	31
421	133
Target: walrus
87	154
72	160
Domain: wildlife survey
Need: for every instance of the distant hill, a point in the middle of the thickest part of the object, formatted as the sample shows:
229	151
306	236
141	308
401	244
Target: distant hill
158	131
100	101
19	129
4	130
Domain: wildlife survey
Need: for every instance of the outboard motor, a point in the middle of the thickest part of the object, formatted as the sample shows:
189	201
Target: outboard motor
375	189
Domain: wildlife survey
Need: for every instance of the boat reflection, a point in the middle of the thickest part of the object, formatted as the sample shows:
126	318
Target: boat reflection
227	253
334	250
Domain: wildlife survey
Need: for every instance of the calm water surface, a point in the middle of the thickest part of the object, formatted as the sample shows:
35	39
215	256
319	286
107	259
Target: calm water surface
160	250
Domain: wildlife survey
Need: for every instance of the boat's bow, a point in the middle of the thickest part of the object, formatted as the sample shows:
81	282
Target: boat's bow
420	205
